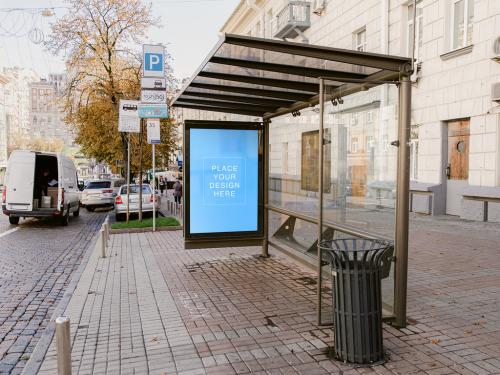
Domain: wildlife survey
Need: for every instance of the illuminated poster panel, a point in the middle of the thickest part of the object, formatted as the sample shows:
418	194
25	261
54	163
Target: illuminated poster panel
224	180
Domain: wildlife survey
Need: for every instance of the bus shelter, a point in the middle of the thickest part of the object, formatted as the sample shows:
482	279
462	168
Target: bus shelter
343	116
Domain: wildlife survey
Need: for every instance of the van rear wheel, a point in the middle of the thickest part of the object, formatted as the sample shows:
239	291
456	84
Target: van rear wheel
77	212
14	220
65	219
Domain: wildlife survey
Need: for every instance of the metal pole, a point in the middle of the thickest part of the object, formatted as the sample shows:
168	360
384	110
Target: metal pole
103	243
265	143
154	190
320	195
402	203
63	345
128	177
140	169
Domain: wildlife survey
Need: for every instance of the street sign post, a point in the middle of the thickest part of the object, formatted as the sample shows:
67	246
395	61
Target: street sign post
153	83
153	130
153	96
153	58
153	135
153	105
128	117
153	111
129	122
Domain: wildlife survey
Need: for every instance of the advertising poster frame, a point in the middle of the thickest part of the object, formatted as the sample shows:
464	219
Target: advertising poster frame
223	239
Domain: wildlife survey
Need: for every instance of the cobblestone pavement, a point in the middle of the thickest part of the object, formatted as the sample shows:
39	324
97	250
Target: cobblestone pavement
37	262
4	222
153	307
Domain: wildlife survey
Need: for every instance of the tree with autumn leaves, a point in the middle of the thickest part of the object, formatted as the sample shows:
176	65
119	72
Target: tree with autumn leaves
101	41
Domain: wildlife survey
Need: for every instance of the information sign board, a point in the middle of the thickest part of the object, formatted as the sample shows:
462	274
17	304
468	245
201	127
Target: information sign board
128	117
153	96
153	130
153	110
153	83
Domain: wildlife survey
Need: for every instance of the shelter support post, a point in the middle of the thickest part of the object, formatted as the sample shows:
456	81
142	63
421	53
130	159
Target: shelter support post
402	203
320	195
265	154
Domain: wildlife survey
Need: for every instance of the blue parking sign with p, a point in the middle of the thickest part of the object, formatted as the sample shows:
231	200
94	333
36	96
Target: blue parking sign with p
154	62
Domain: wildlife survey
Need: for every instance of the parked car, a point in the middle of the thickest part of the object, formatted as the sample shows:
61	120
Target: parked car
147	201
100	193
40	184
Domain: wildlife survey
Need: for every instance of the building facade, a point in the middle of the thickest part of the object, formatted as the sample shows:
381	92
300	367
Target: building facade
47	118
3	128
455	135
17	100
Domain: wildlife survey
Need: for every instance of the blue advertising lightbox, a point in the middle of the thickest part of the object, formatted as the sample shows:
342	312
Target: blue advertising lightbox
223	180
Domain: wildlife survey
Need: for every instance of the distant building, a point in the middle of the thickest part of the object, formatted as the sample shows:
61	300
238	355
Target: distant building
47	119
3	127
17	100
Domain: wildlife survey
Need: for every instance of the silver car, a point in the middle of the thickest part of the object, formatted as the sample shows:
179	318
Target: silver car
147	201
100	193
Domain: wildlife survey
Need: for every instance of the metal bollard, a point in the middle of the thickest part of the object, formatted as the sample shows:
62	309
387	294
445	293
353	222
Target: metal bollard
107	227
103	227
103	243
63	345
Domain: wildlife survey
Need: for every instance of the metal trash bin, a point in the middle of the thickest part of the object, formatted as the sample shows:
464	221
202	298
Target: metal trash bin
357	300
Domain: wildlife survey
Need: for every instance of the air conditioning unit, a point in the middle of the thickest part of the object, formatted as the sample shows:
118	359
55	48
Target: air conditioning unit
495	92
496	50
318	7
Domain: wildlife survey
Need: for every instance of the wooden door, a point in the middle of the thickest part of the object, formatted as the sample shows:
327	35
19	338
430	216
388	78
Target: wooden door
457	169
458	150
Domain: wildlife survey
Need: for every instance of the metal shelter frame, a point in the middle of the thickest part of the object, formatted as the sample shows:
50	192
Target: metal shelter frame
269	78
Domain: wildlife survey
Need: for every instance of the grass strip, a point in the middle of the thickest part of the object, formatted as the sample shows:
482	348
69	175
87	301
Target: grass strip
146	223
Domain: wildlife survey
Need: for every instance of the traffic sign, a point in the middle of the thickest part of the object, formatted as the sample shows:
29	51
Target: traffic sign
153	128
153	111
153	96
128	117
153	83
153	58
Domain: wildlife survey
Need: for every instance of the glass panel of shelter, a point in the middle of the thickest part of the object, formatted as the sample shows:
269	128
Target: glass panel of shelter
359	172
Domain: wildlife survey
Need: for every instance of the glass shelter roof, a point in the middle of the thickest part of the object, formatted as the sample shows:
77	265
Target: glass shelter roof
267	77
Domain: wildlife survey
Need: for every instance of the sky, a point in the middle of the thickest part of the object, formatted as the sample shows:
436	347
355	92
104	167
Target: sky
190	30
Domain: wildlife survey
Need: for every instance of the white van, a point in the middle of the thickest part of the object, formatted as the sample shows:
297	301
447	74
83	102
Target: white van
40	184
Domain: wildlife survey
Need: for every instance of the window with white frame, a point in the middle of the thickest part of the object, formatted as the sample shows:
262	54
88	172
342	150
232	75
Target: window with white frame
269	23
419	32
370	143
462	16
354	145
257	29
359	39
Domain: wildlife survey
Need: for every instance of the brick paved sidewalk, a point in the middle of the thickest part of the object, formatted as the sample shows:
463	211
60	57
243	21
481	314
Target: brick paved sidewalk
153	307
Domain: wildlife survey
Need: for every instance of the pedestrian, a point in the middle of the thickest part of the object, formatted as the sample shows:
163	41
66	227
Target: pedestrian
162	185
178	191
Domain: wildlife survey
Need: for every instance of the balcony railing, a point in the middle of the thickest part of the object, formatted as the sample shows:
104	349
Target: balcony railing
294	18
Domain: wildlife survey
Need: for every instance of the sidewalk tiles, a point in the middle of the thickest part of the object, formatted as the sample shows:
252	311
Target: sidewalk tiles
152	307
